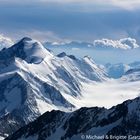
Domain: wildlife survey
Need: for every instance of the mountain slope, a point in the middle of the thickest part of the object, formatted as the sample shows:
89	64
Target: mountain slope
33	81
120	120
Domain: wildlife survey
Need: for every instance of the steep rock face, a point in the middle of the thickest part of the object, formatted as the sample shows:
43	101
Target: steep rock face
123	119
17	104
20	103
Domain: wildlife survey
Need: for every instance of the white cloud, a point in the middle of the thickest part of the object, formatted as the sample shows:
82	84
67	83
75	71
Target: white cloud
127	4
126	43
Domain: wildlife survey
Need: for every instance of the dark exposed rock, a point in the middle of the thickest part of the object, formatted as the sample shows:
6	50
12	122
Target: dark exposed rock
121	117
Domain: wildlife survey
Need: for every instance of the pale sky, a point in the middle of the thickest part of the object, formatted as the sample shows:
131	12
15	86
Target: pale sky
58	20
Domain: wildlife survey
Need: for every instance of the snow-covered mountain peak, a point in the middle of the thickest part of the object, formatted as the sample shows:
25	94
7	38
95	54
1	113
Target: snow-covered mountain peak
27	49
30	43
63	54
24	39
88	59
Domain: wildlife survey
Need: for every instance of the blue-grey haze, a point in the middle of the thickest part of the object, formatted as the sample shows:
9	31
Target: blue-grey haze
68	21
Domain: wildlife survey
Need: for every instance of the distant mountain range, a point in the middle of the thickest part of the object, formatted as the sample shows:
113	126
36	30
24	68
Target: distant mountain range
102	51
